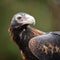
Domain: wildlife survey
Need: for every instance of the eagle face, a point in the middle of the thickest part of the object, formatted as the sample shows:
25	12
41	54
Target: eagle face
21	19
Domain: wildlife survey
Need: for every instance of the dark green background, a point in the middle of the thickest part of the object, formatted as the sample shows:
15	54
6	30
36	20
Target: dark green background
46	20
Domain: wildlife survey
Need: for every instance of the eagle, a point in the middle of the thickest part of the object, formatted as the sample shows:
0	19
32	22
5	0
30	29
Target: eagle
33	43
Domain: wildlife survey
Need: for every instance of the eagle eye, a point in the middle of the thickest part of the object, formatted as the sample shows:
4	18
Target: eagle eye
19	18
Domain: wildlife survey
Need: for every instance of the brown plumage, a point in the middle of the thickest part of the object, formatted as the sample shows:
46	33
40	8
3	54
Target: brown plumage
46	47
21	33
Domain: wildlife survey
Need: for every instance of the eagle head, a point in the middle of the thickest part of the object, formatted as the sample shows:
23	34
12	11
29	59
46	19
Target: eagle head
21	19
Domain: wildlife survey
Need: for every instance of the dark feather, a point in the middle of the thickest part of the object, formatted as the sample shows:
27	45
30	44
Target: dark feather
46	47
22	36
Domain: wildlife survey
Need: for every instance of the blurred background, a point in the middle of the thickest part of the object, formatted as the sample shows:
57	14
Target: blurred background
46	13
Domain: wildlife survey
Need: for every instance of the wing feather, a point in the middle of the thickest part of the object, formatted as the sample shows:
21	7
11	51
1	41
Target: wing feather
46	46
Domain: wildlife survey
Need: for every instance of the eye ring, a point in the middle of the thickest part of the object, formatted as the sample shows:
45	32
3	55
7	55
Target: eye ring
19	18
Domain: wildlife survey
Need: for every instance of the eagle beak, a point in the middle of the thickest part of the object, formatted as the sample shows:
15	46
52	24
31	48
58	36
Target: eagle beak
28	20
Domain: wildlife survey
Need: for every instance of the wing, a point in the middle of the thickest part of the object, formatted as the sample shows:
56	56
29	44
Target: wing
46	47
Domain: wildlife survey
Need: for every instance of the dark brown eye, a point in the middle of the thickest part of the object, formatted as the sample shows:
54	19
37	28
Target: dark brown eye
19	18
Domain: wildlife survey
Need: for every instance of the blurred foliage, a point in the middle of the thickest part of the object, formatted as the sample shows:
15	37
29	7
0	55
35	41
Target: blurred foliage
46	13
